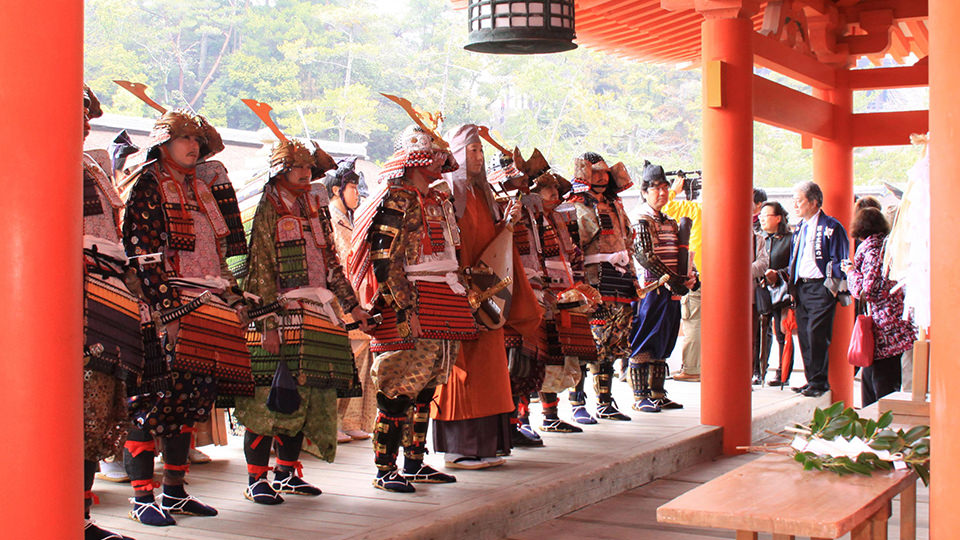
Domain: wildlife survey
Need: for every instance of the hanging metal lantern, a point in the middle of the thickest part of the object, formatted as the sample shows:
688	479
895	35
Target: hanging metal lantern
521	26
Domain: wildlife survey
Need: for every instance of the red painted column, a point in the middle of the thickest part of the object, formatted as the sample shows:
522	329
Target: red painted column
40	254
945	271
727	236
833	171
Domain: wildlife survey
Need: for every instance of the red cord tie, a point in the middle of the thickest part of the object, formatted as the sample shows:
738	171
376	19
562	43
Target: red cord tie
138	447
256	442
144	485
185	467
296	465
193	435
91	496
278	439
258	470
551	405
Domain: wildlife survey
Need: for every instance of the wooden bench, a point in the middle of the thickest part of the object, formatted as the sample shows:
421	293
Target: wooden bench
773	494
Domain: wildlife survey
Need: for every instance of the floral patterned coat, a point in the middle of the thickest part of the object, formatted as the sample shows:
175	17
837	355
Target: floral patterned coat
892	334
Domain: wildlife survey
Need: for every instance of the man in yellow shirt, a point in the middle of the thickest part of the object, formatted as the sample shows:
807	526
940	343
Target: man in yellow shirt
689	303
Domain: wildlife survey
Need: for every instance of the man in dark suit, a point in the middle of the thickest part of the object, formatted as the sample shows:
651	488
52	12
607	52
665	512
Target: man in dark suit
820	243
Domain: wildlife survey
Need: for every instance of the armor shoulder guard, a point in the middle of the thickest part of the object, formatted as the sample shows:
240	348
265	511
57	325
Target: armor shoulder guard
102	159
214	175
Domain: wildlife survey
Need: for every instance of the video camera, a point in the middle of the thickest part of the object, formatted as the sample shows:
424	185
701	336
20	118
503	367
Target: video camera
692	182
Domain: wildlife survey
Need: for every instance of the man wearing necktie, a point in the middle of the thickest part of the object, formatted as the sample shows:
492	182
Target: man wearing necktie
820	243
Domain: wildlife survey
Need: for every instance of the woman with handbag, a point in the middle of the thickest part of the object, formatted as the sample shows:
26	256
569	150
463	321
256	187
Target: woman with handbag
778	241
892	335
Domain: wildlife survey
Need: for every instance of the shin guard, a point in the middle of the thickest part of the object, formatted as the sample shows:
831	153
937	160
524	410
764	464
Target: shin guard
415	447
388	430
602	382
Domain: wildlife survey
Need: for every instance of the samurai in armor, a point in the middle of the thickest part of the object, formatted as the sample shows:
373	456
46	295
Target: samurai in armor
404	263
181	211
346	188
113	342
661	250
292	256
606	240
552	263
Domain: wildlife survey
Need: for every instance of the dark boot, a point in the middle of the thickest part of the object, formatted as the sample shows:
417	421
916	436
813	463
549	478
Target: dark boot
256	450
658	376
288	474
640	383
521	434
414	469
391	419
551	420
138	455
602	381
578	400
174	498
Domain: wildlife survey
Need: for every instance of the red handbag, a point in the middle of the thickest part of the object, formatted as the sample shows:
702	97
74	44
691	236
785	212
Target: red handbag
860	352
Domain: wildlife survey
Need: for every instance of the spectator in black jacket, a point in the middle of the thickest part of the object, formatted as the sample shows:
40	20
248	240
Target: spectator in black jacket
778	241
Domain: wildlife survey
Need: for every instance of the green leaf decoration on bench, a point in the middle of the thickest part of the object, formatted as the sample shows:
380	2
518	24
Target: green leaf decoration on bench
838	440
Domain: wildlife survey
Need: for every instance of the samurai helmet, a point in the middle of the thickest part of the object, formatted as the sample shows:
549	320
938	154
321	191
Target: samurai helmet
539	173
585	165
346	174
91	104
183	123
291	153
652	175
416	147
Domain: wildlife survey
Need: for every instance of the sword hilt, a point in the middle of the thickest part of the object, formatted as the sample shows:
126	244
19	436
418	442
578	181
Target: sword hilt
262	311
374	320
184	310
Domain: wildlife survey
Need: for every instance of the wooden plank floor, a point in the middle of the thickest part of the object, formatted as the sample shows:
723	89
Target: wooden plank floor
633	514
351	508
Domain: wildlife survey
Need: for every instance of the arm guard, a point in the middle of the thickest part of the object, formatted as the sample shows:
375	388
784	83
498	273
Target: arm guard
388	243
141	236
648	259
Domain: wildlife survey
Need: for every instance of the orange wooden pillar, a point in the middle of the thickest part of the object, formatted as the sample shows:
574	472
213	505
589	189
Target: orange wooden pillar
833	171
945	271
727	245
41	288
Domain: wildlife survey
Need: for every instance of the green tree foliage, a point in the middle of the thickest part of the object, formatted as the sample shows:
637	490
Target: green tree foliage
322	64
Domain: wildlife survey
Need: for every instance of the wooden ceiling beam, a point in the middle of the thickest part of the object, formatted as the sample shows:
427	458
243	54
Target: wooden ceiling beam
888	128
774	55
886	78
786	108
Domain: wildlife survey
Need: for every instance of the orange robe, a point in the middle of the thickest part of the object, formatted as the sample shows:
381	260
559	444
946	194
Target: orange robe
479	383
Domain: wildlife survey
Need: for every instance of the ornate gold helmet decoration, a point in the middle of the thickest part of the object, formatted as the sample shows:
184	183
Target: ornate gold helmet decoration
291	153
418	145
183	123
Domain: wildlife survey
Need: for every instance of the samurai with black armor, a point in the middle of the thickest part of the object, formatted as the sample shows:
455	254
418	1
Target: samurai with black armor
404	263
182	220
661	250
113	314
606	241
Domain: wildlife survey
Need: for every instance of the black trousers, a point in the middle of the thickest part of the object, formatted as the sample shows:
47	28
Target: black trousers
815	310
879	379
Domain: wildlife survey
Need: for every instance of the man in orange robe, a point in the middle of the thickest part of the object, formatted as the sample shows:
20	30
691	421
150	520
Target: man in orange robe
472	410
